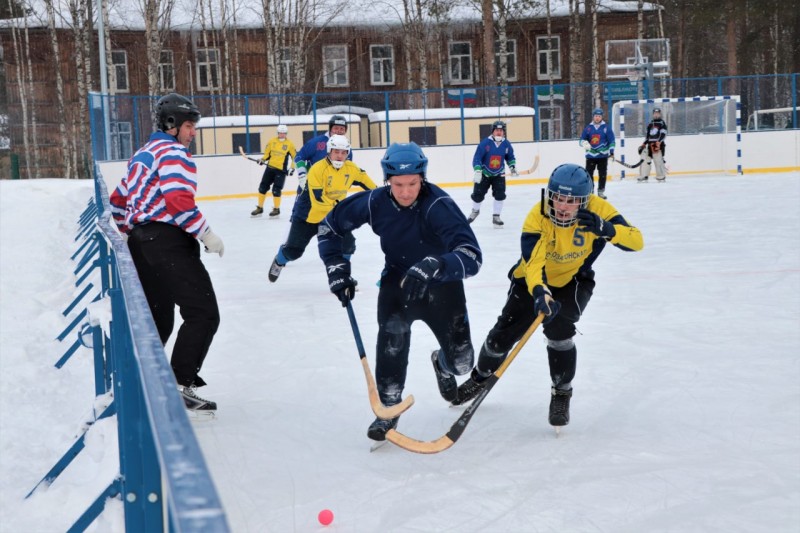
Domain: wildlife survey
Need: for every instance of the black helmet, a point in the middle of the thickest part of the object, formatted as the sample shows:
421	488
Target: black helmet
656	110
173	110
498	124
337	120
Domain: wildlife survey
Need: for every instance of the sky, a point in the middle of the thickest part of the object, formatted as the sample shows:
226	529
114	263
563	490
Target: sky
686	406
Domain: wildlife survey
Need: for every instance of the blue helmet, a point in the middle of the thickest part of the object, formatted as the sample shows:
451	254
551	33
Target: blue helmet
404	158
570	182
597	111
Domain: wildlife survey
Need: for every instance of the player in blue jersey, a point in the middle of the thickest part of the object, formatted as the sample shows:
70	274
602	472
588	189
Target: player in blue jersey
429	250
316	149
598	141
562	236
489	165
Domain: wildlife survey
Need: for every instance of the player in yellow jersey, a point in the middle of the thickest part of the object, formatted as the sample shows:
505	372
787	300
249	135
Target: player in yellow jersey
279	158
561	238
329	180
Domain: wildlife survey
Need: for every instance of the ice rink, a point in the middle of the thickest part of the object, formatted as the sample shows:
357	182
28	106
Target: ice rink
686	406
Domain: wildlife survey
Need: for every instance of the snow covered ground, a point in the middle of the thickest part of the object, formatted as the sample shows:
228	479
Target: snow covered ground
686	413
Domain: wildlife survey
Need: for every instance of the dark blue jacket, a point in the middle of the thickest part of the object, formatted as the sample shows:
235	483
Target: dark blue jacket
431	226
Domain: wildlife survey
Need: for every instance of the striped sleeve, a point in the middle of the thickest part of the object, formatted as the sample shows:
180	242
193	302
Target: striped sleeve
178	185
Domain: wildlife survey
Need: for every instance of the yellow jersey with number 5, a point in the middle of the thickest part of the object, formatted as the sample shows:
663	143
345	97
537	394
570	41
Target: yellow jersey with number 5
552	255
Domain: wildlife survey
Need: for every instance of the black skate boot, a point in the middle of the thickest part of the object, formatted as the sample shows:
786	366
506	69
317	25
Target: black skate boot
468	390
377	430
602	193
275	270
257	211
472	216
496	221
559	406
194	402
448	387
275	212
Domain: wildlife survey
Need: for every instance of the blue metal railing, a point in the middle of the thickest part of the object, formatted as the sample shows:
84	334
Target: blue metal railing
569	105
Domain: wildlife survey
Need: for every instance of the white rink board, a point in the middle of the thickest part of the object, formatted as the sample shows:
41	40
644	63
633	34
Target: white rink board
688	154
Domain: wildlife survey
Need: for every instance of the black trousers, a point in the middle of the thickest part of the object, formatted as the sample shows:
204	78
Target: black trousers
274	178
518	315
168	262
497	183
444	312
301	233
601	164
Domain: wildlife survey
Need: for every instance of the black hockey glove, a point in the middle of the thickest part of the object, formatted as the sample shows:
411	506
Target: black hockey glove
341	283
592	222
415	282
543	302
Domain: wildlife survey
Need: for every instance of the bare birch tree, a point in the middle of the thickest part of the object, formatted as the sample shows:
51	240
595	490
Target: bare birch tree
37	159
595	54
22	91
61	108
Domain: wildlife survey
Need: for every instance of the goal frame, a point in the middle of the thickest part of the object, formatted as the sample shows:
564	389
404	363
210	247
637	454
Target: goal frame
655	101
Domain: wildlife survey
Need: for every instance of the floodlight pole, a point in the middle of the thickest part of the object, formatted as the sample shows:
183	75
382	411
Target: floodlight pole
104	105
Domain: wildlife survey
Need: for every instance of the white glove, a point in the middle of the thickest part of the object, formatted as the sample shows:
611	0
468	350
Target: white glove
301	178
477	177
586	145
212	242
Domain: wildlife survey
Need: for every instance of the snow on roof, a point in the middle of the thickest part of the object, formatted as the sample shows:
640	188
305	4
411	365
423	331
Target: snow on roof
270	120
186	14
452	113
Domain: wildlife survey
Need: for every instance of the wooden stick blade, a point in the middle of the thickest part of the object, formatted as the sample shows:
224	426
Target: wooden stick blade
532	169
380	410
418	446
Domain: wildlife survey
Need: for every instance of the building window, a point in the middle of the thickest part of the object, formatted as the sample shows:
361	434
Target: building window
551	126
121	141
285	66
208	68
241	139
460	62
119	61
382	60
166	71
334	66
423	135
548	57
511	58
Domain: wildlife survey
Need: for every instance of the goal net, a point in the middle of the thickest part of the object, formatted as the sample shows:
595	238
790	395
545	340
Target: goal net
714	123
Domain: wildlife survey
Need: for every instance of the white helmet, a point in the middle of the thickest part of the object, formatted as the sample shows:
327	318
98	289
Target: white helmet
338	142
282	128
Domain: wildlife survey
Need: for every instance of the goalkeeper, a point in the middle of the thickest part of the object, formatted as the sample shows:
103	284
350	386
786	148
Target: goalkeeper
656	148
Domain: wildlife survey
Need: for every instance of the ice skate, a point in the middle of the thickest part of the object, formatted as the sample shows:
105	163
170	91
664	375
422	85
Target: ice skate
661	179
470	389
496	221
257	211
602	193
275	212
472	216
642	179
559	407
275	270
196	406
448	387
377	430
